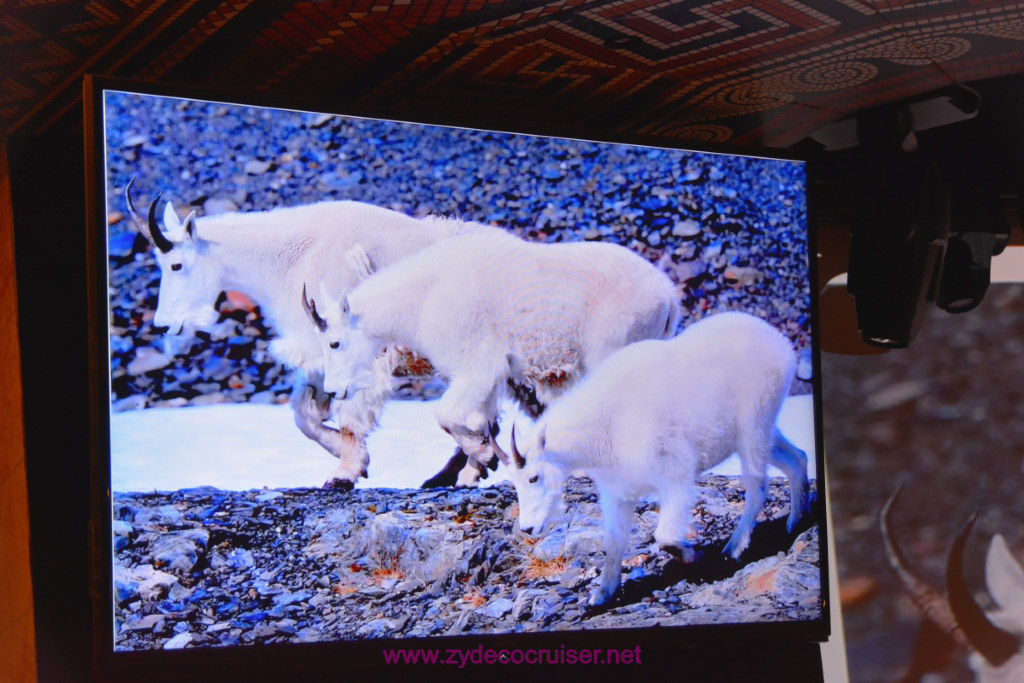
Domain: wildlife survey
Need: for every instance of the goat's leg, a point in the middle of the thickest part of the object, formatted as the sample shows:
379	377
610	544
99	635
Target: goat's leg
793	463
753	459
311	408
460	470
674	533
483	457
310	402
467	412
617	514
480	458
449	474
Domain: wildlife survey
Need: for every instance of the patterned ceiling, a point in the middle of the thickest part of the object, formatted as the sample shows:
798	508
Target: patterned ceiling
768	71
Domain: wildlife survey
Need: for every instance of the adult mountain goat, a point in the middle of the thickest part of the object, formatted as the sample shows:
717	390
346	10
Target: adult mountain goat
270	255
654	415
495	314
995	639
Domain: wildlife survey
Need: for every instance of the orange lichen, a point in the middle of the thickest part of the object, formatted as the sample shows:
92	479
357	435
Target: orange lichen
762	582
473	599
543	569
384	573
637	560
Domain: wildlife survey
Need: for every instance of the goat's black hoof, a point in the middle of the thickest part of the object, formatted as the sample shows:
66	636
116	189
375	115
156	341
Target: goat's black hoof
686	553
592	609
339	485
449	474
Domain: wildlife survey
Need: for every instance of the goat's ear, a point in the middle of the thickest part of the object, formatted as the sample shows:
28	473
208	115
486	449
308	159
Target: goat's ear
329	303
172	223
1004	577
190	226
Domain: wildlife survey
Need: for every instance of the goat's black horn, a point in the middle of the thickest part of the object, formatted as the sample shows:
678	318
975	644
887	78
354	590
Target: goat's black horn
933	605
517	457
991	642
310	308
136	219
156	235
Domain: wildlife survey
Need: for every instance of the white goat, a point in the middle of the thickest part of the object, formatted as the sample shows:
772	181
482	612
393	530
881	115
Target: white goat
995	640
269	255
493	313
654	415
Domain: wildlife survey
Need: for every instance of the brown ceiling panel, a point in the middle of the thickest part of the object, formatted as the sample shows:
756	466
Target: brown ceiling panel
769	71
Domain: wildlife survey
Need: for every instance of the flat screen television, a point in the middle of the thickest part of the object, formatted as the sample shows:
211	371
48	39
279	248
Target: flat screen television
218	543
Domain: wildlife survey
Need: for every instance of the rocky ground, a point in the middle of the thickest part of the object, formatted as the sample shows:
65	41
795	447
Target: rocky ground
206	567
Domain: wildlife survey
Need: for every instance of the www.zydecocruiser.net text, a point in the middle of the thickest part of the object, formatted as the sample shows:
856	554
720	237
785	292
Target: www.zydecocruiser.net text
460	657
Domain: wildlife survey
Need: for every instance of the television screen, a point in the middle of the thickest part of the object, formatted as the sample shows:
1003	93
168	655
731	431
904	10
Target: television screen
316	333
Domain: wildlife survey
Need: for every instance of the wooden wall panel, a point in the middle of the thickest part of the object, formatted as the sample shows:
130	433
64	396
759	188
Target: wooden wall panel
17	626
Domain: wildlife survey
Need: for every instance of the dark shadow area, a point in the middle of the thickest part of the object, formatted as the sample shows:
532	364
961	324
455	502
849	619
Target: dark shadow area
712	564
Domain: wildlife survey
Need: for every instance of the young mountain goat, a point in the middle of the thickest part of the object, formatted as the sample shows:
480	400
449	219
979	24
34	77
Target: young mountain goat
270	255
654	415
493	313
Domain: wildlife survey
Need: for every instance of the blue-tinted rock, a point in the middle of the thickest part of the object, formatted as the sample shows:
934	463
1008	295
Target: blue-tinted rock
496	608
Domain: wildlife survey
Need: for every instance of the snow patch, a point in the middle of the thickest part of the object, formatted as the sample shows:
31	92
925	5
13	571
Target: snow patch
245	446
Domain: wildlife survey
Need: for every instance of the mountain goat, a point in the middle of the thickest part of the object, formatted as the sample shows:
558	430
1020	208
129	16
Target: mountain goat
654	415
495	314
995	639
269	255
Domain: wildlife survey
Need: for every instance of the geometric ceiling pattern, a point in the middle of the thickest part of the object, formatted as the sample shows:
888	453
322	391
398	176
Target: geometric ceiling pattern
764	72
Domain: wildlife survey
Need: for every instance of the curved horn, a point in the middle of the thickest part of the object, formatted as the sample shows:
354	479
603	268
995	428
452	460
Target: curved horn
137	221
933	605
136	218
991	642
502	455
156	236
516	459
310	308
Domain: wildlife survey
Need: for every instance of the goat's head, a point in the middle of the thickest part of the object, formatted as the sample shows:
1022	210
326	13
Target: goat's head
348	354
538	482
995	639
189	284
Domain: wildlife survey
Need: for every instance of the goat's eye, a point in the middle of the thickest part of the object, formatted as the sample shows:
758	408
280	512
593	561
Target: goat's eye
175	266
534	478
335	344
